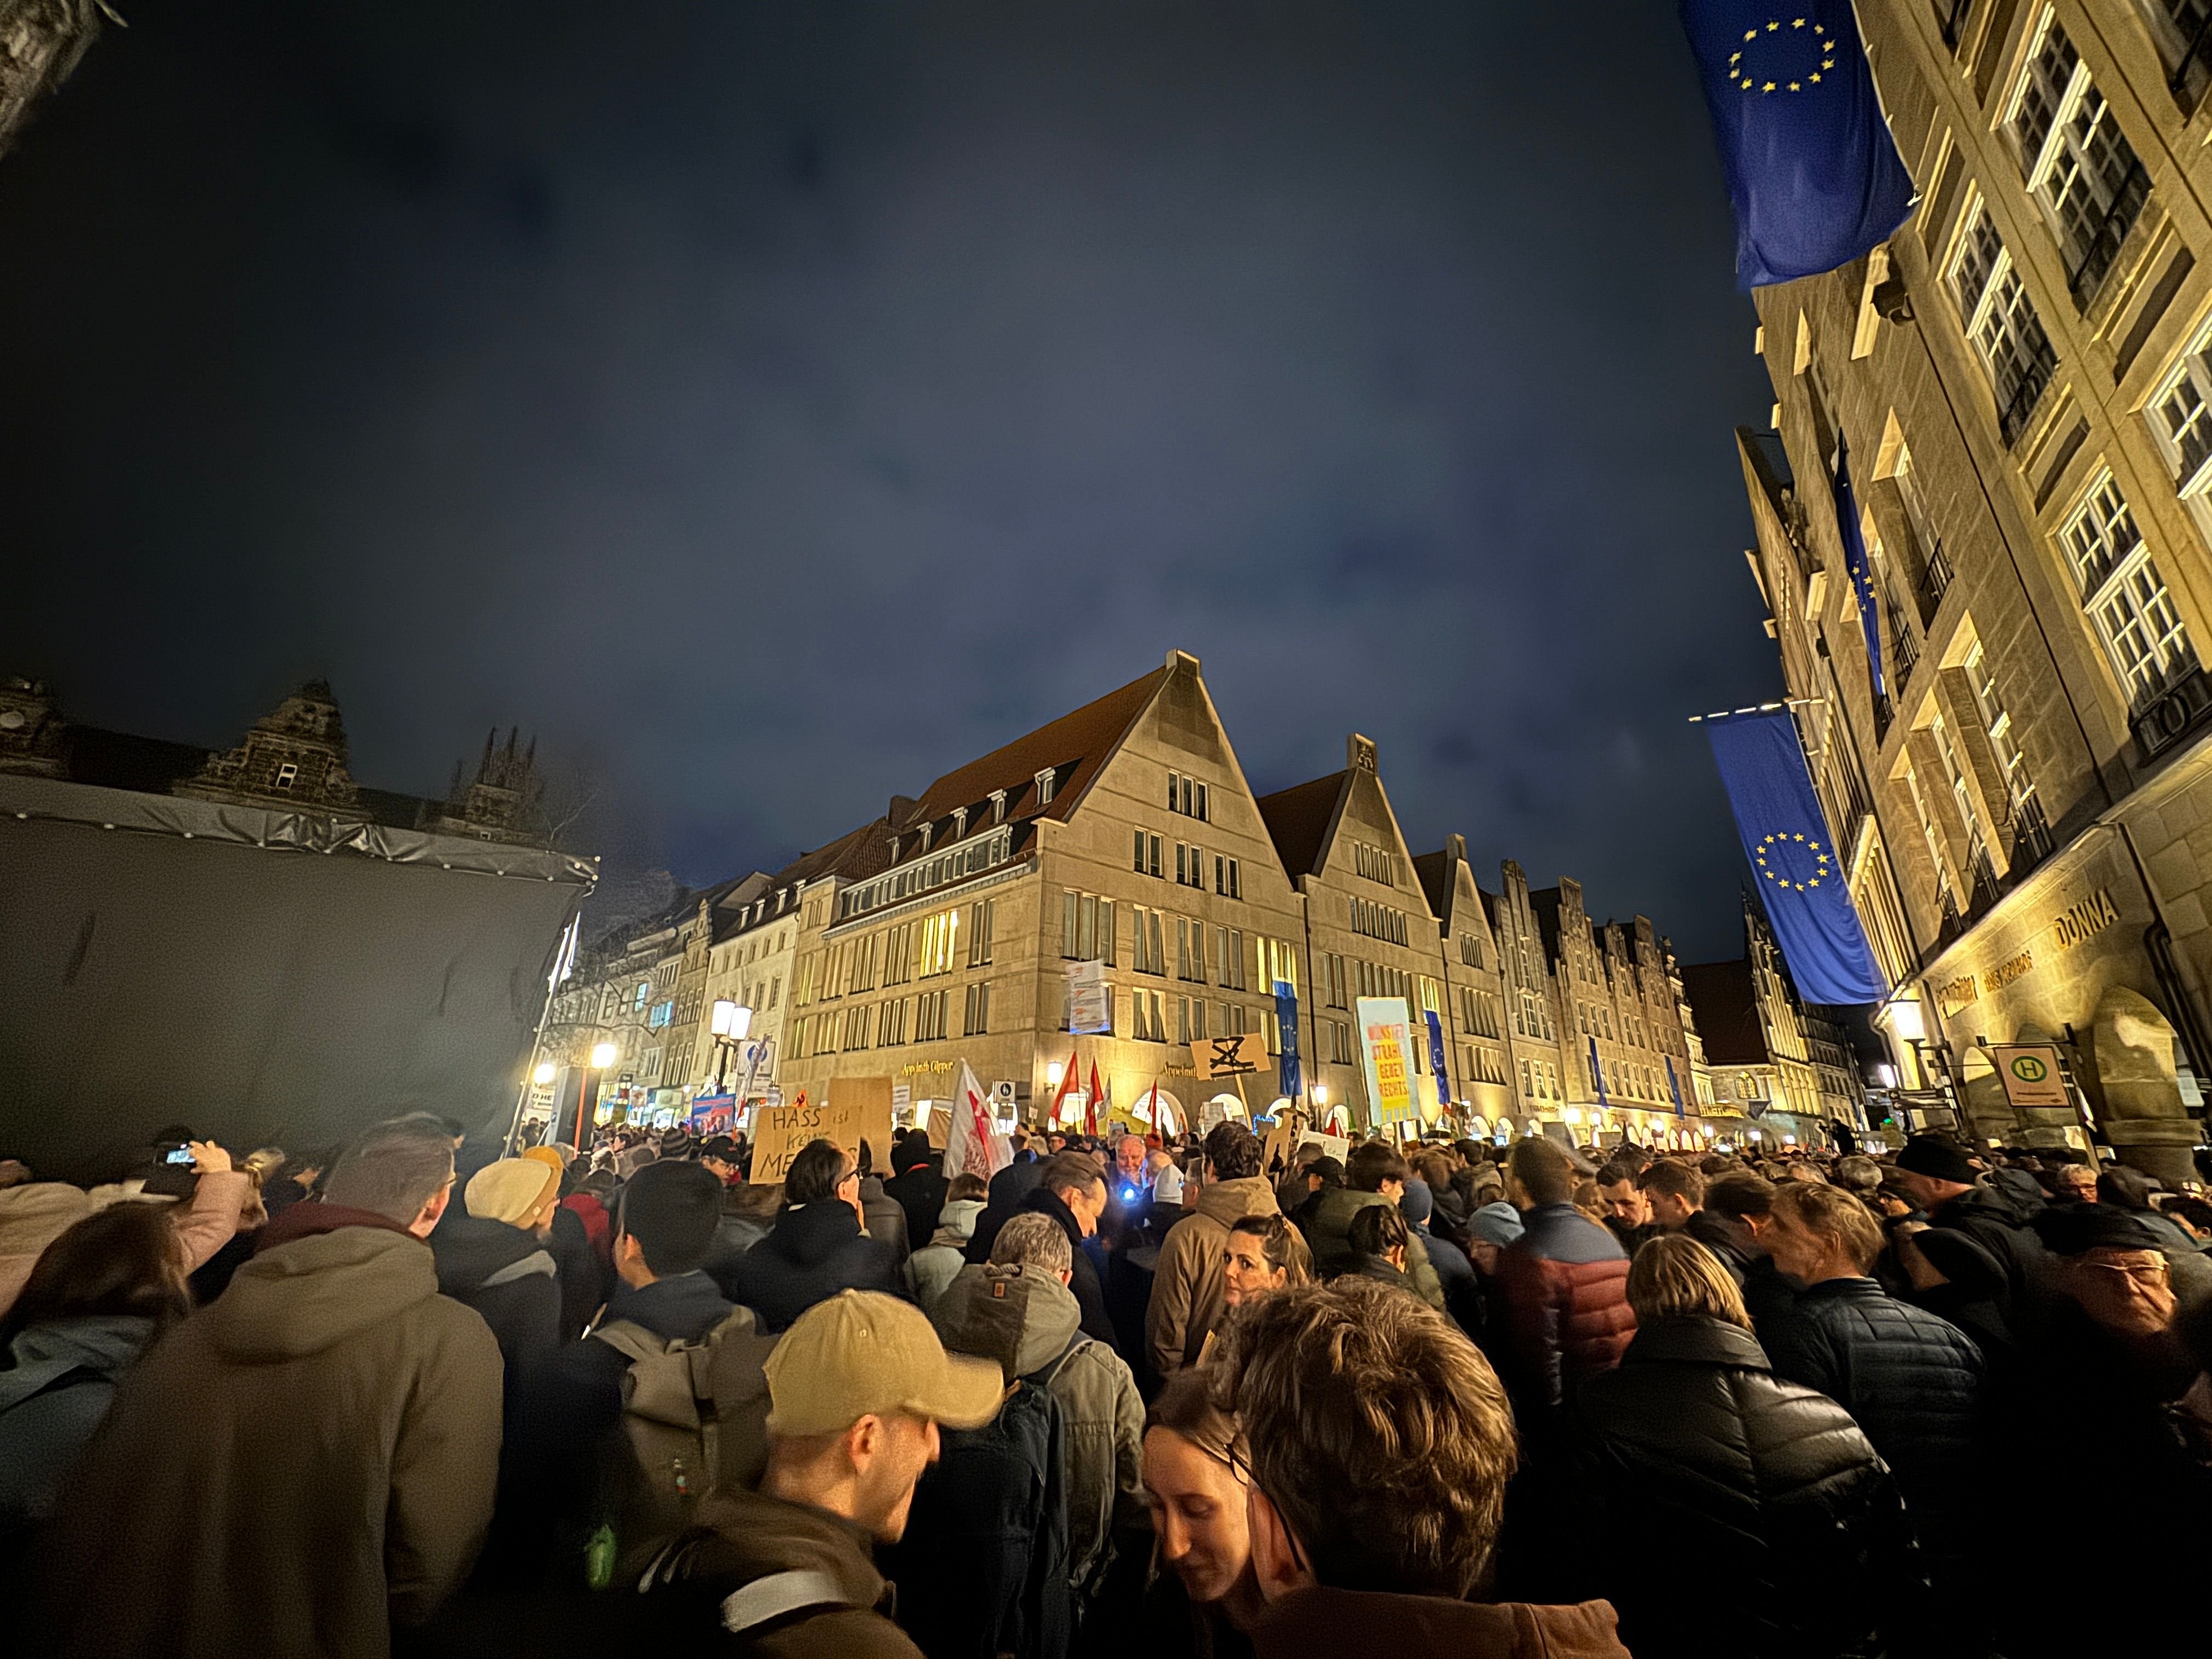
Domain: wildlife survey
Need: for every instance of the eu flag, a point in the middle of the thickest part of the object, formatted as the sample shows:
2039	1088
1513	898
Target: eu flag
1811	169
1856	563
1800	869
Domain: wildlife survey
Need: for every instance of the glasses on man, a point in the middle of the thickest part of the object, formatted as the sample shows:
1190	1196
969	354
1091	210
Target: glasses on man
2143	1272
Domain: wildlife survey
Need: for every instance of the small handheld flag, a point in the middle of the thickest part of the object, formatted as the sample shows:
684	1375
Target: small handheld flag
1811	169
973	1145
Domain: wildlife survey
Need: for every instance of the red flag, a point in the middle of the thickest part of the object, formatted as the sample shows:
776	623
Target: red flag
1091	1107
1068	1080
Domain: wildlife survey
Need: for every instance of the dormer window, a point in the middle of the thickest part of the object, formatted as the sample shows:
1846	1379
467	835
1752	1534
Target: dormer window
924	837
895	849
287	775
997	806
1044	782
959	821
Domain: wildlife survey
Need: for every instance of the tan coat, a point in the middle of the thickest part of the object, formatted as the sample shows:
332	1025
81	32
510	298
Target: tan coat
291	1471
1186	1286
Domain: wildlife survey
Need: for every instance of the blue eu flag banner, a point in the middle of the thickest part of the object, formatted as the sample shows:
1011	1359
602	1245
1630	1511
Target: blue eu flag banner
1801	873
1288	1079
1811	169
1856	563
1436	1057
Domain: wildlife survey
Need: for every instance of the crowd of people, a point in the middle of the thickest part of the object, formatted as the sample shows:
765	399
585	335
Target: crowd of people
423	1395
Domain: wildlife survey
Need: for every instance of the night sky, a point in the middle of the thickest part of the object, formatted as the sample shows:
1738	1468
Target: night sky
774	406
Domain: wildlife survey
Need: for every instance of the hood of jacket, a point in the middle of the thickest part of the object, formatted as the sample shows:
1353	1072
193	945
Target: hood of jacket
470	1249
36	1213
741	1537
1320	1620
810	1234
682	1308
104	1343
1227	1201
955	1222
1050	1317
306	1295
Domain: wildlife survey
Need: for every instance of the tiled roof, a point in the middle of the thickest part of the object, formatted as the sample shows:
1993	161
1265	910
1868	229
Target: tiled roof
1726	1012
1299	819
1075	745
1434	871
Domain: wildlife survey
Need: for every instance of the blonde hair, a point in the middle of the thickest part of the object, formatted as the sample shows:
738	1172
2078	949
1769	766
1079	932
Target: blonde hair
1674	1277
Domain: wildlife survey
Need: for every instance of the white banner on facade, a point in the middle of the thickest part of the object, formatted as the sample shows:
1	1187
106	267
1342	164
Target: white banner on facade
1090	1011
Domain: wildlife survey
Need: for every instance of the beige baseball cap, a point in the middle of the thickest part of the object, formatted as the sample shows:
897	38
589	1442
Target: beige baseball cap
863	1352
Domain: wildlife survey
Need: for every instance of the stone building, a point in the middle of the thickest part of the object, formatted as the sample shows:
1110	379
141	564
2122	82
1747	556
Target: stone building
2021	382
1474	983
1780	1071
1369	929
1125	834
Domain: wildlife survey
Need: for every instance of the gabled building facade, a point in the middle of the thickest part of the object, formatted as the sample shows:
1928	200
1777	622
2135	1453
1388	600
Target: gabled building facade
1125	834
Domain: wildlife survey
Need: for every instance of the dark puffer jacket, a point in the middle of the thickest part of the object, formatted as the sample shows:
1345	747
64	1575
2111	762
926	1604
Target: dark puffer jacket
1914	1382
1564	1284
507	1275
1329	1224
813	1251
1694	1437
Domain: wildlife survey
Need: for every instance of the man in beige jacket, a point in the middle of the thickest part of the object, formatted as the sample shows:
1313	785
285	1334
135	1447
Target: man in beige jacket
1186	1301
305	1463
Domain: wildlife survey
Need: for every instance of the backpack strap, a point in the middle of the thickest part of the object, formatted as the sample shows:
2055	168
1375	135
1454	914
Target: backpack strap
630	1340
538	1261
778	1596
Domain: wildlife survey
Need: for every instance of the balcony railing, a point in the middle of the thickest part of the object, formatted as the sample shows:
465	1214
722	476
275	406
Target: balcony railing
2086	270
2194	59
2035	377
1934	583
1904	648
2173	714
2031	838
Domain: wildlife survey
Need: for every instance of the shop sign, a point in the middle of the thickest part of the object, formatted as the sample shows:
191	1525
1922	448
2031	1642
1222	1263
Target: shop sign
1960	992
2031	1074
2084	921
2005	972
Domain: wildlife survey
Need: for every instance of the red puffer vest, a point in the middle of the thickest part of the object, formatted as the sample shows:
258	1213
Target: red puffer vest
1565	1285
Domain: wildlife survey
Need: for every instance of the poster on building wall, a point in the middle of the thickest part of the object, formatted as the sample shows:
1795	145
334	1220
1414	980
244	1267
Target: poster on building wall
1090	1013
2031	1074
1386	1050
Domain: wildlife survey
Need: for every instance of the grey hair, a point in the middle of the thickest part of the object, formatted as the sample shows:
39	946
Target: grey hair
1033	1241
393	1170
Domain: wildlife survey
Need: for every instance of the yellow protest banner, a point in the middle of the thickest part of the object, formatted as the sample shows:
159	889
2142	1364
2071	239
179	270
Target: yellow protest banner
856	1108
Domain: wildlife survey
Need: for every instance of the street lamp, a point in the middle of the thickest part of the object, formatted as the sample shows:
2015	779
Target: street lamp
1053	1074
730	1024
546	1072
604	1056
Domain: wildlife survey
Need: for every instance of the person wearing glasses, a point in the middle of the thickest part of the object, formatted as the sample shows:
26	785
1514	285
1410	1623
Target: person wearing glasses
2114	1360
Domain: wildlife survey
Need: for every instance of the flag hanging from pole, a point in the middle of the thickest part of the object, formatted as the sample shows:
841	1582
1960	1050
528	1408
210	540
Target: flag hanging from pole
1812	172
1800	870
1071	1078
1092	1115
973	1145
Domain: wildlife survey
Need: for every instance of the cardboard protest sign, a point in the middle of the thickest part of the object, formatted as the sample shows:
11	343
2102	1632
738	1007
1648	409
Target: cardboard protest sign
856	1108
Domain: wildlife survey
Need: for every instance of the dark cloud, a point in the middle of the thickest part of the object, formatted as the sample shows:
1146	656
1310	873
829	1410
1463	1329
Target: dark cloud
775	405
